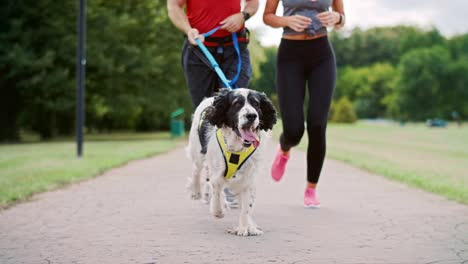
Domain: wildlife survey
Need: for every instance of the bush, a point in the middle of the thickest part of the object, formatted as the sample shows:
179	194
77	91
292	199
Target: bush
343	112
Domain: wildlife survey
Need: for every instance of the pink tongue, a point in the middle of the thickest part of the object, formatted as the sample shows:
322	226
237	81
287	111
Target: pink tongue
249	136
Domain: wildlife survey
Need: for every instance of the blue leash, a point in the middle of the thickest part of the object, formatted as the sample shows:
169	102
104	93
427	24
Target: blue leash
228	84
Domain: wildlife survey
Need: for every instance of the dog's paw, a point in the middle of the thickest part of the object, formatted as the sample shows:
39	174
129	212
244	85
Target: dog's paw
218	214
216	211
255	231
245	231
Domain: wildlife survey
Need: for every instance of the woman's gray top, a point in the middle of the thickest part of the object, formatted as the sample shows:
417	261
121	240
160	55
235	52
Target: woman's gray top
310	9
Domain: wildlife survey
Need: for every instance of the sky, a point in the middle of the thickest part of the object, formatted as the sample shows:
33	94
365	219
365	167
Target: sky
449	16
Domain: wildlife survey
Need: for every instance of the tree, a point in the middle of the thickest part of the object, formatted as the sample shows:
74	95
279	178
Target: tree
257	56
381	44
455	89
420	90
267	80
37	65
367	88
134	79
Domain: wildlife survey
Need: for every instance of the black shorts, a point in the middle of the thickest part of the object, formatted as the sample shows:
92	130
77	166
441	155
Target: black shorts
202	80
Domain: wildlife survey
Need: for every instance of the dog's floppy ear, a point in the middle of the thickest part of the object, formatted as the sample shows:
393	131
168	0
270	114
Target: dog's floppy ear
216	113
268	118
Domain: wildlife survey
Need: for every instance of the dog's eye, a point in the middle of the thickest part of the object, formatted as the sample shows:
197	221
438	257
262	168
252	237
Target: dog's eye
237	103
254	103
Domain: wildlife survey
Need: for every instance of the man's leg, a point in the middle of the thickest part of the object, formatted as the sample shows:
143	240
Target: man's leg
201	80
229	65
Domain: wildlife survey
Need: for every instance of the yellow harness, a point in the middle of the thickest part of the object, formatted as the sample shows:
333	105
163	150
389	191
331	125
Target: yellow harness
233	160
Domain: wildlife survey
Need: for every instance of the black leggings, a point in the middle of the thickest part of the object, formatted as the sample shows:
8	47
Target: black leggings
300	62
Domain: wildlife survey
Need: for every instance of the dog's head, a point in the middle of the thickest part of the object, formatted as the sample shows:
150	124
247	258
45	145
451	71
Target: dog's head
243	110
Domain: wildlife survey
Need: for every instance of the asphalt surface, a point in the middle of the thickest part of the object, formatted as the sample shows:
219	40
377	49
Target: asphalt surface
141	213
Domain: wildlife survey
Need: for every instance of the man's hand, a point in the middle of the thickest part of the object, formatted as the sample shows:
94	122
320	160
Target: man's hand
192	34
233	23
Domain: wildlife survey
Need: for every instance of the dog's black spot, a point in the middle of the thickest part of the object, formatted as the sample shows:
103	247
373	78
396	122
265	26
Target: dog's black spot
234	176
204	131
225	108
264	108
207	179
250	205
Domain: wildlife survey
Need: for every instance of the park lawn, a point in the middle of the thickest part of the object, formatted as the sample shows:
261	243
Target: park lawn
29	168
433	159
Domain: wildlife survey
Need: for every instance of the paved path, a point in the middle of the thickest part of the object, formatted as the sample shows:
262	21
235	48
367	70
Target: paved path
140	213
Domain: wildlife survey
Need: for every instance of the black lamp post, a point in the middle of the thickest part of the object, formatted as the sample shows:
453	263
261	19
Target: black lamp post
80	75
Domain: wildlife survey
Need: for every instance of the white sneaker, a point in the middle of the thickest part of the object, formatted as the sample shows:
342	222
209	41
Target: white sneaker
230	199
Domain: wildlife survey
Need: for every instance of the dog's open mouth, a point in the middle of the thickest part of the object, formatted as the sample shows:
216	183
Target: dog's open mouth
249	135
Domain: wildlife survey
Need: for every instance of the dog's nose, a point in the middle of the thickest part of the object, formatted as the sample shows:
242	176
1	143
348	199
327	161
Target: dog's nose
251	116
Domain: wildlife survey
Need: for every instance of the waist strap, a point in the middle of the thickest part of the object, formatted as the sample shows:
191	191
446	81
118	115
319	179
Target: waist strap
242	36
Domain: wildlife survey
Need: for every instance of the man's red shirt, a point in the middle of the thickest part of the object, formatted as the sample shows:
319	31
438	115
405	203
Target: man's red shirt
205	15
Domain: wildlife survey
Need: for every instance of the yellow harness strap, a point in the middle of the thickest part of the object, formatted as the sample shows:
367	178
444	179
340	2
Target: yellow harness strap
233	160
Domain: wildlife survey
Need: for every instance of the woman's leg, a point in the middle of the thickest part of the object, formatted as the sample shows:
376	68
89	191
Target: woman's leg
321	82
290	85
291	91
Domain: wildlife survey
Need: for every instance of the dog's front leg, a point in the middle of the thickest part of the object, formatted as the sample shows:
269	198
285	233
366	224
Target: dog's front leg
247	226
206	190
216	209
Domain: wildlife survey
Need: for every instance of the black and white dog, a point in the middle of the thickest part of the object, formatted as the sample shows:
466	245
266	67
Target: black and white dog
224	142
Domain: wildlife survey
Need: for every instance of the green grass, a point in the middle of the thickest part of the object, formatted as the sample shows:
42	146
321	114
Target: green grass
433	159
30	168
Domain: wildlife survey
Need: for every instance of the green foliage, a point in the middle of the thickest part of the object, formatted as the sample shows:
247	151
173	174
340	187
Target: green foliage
343	111
367	87
134	76
275	102
380	44
36	64
428	81
458	46
257	58
134	79
420	88
266	82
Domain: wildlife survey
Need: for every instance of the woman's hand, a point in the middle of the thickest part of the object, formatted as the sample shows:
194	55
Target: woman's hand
233	23
298	23
329	19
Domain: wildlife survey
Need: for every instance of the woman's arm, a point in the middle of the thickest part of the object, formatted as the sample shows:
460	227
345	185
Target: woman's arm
331	19
297	23
338	7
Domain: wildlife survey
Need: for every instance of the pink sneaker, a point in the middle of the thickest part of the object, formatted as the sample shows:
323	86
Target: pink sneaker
279	165
310	198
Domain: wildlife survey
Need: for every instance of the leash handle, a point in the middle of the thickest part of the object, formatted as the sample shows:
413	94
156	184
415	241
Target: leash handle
213	63
228	84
